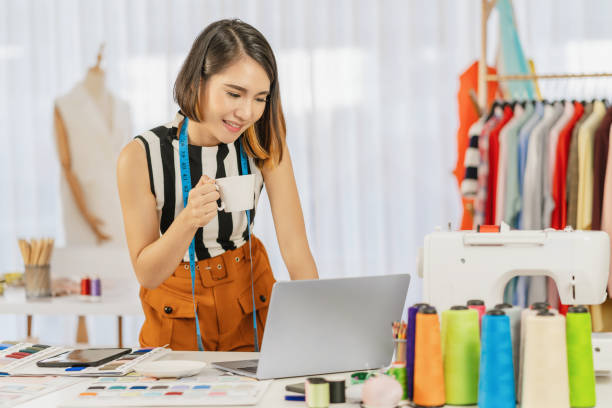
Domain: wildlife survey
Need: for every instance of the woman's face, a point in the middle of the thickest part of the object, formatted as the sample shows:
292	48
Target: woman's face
234	99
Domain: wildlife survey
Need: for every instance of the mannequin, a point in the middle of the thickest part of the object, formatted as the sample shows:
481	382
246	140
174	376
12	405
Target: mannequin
91	127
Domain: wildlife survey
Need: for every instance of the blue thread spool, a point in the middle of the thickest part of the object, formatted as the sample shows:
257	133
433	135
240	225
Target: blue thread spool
496	381
412	312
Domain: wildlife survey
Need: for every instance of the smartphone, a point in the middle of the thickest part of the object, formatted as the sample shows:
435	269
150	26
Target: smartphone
83	358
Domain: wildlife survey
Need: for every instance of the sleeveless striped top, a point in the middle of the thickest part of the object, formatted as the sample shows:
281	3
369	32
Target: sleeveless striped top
227	230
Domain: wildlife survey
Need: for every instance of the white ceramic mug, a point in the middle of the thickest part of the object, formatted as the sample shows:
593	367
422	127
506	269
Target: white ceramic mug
237	192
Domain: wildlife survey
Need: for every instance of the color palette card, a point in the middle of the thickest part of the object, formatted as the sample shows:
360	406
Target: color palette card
188	391
121	366
16	390
16	355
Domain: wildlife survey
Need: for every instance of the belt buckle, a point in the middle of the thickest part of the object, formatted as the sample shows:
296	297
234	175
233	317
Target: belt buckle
218	272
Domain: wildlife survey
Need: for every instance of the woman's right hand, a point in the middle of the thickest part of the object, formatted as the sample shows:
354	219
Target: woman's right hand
201	203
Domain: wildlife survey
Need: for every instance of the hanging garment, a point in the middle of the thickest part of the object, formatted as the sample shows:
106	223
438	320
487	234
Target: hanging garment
512	198
500	196
523	150
468	81
469	184
606	213
511	57
585	165
568	111
533	190
483	168
553	142
559	215
600	160
548	203
94	145
493	164
536	199
572	169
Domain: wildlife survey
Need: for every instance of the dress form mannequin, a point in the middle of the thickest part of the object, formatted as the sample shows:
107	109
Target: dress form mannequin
91	126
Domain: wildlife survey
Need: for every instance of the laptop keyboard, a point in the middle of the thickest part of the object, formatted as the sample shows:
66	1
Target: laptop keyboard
249	369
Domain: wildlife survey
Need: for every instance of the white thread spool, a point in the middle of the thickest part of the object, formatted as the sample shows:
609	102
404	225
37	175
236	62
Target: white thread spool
545	380
518	370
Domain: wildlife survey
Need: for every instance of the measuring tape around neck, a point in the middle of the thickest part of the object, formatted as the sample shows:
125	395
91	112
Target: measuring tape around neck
186	187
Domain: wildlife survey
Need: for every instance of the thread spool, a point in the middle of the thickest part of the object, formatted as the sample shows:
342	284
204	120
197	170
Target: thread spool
317	392
580	357
398	371
496	382
410	338
85	286
478	305
461	355
96	286
532	310
545	382
514	313
337	390
428	367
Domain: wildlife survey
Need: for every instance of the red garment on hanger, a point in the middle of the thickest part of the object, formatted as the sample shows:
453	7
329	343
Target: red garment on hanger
559	187
468	80
493	162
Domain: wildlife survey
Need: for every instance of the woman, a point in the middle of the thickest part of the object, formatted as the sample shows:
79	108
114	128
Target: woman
230	123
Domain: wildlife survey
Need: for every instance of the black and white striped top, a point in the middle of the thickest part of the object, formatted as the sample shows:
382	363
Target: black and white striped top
227	230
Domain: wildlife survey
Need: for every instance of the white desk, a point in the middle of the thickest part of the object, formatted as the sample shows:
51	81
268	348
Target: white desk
274	397
119	302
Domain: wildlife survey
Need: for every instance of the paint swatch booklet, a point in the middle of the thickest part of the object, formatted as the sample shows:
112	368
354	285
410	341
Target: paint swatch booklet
215	390
122	365
13	356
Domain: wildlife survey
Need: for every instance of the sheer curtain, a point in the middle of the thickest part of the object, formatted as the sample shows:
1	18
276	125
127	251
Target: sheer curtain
369	92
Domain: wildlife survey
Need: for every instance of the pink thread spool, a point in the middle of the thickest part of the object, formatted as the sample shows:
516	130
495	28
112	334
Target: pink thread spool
478	305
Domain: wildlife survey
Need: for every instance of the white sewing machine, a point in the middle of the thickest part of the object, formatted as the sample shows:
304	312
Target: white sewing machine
463	265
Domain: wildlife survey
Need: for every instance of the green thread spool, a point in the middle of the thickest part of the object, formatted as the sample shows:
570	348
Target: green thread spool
580	357
317	392
461	354
398	370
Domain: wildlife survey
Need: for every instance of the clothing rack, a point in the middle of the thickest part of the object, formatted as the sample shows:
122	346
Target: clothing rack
484	78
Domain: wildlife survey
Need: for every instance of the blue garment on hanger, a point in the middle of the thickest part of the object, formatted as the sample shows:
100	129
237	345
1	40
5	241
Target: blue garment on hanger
511	58
522	146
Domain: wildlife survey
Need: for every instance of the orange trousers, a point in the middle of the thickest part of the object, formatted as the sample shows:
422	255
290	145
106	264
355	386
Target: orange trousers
223	298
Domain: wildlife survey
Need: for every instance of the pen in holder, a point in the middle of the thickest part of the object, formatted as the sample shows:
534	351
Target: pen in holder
399	342
36	256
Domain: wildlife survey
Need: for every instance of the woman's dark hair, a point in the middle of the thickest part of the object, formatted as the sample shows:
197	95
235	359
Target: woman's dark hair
219	45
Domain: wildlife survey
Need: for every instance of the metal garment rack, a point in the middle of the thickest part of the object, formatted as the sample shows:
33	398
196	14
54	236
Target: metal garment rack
484	78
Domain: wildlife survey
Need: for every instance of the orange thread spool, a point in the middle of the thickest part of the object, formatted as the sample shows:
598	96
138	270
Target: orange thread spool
428	368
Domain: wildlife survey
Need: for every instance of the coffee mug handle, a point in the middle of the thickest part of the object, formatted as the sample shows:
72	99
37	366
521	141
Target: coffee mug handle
222	203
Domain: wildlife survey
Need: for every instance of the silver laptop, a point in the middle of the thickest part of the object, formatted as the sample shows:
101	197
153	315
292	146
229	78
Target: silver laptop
327	326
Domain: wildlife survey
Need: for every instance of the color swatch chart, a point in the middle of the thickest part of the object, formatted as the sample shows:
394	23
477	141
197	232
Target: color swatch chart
120	366
16	390
15	355
188	391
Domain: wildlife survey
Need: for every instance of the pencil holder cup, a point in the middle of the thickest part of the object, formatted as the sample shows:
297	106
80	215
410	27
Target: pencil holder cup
545	382
428	367
496	380
399	346
580	357
461	355
37	281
